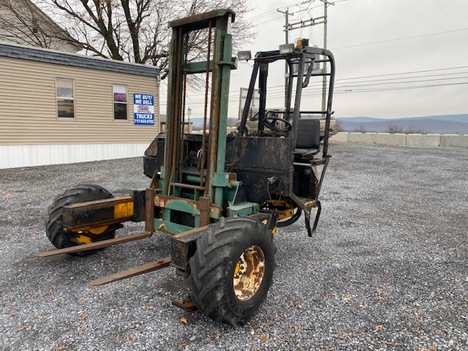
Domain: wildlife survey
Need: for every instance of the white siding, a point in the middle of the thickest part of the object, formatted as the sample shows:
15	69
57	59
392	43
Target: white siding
13	156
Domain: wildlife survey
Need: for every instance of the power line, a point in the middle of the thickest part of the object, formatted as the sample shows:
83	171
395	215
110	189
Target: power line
402	88
354	91
267	21
431	78
297	4
392	76
407	72
400	39
358	87
257	17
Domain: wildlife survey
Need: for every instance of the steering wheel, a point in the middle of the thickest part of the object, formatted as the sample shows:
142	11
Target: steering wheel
272	124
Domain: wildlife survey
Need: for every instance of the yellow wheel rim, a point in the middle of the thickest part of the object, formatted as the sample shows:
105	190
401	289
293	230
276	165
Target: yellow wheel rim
249	273
285	206
98	230
83	239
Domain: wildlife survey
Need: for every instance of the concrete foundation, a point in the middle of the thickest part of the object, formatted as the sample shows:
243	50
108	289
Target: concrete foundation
423	140
401	139
398	139
363	138
341	137
454	140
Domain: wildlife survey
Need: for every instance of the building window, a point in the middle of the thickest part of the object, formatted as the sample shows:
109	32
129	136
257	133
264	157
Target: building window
65	98
120	101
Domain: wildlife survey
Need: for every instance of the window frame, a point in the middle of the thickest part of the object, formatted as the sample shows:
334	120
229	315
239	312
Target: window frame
65	98
122	103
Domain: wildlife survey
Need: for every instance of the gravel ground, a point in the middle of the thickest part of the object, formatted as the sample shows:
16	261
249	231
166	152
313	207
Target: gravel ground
387	269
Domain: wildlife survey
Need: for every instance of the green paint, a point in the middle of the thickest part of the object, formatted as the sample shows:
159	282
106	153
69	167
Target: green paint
243	209
173	228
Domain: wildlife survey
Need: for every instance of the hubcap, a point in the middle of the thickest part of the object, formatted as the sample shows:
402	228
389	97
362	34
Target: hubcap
249	273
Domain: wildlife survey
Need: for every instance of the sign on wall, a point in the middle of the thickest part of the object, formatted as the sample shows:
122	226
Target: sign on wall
143	109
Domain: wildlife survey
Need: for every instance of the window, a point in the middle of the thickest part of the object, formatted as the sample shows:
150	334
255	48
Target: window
120	101
65	97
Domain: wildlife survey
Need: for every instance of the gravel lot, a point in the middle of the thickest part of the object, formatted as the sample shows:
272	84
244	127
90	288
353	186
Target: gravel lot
387	269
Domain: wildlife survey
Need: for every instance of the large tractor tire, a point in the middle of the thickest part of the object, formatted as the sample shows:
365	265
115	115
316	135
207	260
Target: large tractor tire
232	269
54	226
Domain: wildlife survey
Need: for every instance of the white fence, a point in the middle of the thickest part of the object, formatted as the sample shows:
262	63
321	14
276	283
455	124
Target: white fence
13	156
400	139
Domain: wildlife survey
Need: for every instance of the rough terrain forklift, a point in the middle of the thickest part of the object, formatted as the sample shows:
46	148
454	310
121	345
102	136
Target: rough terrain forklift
220	197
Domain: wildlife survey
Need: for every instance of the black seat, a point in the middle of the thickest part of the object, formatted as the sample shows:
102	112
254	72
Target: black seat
308	139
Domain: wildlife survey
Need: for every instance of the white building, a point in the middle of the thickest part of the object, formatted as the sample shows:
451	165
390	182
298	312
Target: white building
62	108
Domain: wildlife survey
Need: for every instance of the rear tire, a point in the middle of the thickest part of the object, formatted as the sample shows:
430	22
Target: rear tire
54	225
232	269
290	220
282	205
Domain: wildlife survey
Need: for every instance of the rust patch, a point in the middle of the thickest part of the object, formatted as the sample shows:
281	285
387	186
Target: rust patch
249	273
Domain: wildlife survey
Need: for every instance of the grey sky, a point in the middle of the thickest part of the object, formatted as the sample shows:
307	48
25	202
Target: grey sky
374	38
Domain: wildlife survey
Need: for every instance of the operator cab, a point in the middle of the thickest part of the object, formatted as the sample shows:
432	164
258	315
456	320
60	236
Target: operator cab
286	141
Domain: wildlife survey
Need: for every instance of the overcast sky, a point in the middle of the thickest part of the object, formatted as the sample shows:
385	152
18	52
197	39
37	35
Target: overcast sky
422	43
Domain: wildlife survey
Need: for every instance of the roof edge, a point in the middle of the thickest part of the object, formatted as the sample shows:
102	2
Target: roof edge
75	60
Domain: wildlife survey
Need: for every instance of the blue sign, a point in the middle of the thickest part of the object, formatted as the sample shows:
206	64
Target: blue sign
143	109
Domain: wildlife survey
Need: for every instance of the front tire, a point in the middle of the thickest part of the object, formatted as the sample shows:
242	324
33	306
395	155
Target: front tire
54	225
232	269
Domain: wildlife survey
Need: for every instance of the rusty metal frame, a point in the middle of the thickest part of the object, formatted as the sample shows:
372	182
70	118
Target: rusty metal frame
299	55
217	65
97	245
134	271
87	215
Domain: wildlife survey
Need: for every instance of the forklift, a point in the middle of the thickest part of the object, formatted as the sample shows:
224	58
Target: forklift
220	196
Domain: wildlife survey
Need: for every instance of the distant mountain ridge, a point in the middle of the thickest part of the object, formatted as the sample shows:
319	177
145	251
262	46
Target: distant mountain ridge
438	124
198	121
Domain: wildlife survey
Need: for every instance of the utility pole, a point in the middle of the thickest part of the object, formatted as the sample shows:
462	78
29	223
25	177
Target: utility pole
189	126
308	23
325	38
286	41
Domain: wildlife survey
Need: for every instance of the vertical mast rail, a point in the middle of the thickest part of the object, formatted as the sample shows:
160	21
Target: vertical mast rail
205	114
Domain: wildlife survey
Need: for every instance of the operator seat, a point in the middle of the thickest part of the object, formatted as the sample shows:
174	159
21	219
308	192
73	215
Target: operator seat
308	139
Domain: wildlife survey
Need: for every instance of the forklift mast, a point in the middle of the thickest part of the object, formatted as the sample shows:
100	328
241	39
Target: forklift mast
196	191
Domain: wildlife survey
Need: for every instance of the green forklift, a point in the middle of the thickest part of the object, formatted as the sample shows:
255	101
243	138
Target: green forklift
220	196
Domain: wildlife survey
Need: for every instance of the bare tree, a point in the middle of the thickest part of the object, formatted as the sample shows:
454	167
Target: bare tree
134	30
23	23
394	128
